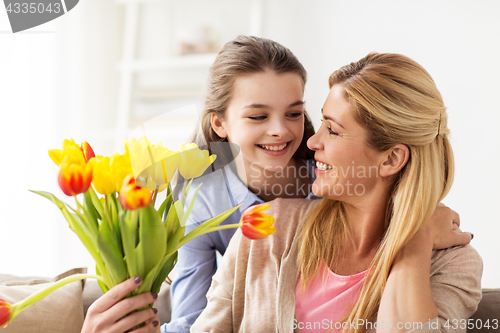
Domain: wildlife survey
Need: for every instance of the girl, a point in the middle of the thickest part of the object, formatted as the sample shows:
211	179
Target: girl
254	121
254	114
366	257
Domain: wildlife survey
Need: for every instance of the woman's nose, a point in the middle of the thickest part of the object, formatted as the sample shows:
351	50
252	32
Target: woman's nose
314	142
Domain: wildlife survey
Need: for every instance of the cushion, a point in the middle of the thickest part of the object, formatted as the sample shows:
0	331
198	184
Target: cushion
487	313
59	312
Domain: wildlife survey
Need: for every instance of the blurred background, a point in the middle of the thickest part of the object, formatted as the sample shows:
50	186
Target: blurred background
111	68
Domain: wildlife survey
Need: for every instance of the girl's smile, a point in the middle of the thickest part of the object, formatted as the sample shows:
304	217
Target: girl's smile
265	118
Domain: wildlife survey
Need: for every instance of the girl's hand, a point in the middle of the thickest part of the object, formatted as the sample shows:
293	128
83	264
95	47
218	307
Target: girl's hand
444	229
109	314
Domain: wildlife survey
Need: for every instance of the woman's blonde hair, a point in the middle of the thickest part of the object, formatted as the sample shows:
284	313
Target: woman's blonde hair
397	102
246	55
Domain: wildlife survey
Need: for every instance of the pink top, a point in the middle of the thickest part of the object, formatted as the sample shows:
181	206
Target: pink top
326	300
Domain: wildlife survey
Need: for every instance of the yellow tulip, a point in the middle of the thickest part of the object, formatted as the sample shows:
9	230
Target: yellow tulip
194	161
153	166
102	178
71	148
120	168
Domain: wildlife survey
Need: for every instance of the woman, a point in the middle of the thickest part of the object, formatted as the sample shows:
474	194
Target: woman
369	256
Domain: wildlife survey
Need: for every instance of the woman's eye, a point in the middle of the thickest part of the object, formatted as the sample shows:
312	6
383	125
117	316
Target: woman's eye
258	118
332	131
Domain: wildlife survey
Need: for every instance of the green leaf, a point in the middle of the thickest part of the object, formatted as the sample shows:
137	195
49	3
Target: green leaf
76	226
89	207
104	288
162	275
147	283
110	250
209	224
165	205
96	202
171	222
152	240
178	205
128	228
51	197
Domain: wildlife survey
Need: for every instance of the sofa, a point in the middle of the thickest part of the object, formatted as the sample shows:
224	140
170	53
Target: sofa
64	310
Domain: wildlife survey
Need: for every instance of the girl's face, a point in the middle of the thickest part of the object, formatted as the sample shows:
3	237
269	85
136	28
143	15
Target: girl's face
265	118
347	169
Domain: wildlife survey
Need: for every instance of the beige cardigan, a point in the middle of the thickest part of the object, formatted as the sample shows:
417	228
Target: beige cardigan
254	289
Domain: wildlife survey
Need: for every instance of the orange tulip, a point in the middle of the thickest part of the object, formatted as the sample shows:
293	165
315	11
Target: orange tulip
87	151
257	225
74	178
132	196
5	312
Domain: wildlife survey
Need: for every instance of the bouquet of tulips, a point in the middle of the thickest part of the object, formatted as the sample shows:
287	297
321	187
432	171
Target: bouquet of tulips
120	227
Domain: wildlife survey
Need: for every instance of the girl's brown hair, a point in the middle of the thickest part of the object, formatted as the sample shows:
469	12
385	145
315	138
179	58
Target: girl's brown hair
243	56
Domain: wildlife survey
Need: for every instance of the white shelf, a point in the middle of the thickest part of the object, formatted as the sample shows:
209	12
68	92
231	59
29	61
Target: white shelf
179	62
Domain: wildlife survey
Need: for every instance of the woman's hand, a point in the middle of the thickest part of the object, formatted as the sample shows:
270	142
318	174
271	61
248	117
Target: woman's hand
109	314
443	228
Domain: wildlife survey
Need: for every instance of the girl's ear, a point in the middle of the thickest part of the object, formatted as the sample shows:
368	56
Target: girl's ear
396	159
218	125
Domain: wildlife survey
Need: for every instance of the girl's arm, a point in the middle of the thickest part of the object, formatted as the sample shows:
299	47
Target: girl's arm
413	296
193	274
218	315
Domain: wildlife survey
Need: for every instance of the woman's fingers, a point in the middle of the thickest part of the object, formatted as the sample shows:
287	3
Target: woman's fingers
126	306
150	327
147	316
115	294
461	238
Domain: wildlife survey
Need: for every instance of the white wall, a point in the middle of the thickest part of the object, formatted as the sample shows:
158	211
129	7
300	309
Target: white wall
62	84
458	43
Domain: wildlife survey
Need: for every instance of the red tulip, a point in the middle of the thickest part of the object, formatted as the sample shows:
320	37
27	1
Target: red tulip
74	178
87	151
257	225
132	196
5	312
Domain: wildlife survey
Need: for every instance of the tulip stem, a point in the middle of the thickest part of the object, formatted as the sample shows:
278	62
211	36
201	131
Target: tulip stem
183	195
106	210
33	298
155	194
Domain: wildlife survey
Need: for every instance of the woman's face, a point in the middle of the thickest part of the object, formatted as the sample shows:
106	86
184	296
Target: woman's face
347	169
265	118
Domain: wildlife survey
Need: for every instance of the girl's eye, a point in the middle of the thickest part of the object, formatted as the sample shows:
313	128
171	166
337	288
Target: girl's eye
295	115
258	118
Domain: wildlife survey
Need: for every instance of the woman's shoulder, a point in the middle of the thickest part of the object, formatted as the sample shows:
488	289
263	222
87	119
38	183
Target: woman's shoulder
289	214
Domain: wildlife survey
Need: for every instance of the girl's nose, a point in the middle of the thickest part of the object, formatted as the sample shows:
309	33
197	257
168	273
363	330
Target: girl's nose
314	142
278	128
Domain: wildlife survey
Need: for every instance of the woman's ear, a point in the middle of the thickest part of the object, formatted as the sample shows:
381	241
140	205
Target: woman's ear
218	125
396	159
